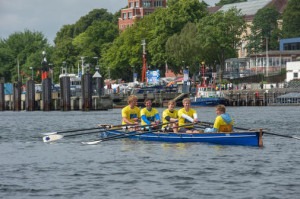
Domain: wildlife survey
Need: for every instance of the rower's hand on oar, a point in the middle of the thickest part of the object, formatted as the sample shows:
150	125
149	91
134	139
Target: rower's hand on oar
154	125
105	126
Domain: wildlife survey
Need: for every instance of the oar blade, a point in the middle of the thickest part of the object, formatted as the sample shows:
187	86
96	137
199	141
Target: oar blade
92	142
49	133
53	137
298	138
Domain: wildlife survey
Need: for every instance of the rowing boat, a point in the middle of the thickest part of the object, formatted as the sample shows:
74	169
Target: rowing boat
243	138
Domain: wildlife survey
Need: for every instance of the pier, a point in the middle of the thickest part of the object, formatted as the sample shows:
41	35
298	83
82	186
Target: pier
258	97
12	97
98	103
66	100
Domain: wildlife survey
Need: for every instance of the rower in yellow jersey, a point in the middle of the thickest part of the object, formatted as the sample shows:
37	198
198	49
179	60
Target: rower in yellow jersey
131	113
170	115
187	117
149	115
223	121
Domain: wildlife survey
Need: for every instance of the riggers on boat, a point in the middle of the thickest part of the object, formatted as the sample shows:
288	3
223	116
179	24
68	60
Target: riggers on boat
243	138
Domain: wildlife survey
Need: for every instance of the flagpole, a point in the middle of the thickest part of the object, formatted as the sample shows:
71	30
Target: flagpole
18	69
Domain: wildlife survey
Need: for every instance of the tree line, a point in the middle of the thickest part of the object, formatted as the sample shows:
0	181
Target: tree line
183	34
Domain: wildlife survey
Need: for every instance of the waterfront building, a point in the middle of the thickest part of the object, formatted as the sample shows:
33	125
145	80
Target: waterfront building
267	63
293	71
289	44
137	9
249	10
288	99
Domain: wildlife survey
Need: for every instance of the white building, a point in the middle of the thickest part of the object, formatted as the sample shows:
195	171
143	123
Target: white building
292	70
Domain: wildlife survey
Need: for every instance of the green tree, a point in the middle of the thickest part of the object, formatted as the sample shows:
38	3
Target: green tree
64	50
85	38
169	22
23	49
86	21
220	36
126	51
183	49
291	19
90	42
123	54
264	30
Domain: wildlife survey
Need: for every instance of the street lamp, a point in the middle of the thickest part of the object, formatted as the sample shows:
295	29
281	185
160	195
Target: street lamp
132	67
31	68
97	68
203	73
82	66
64	68
267	58
96	60
52	70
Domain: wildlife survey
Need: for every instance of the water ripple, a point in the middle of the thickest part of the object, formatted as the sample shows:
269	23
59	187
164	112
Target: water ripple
129	169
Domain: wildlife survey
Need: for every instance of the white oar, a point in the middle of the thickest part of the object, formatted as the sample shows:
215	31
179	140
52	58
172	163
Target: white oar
50	138
123	135
100	126
54	137
73	130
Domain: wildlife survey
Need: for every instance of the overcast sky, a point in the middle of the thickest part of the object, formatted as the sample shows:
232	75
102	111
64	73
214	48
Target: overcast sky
48	16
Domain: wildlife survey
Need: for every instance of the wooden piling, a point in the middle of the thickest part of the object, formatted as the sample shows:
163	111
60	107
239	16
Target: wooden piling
265	102
86	87
30	96
65	94
47	94
2	97
17	96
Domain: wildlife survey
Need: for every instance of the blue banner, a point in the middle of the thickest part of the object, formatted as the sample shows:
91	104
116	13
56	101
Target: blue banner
153	76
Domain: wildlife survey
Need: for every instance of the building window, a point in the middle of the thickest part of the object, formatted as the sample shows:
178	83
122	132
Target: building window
137	4
146	3
129	15
295	75
158	3
131	4
124	16
292	46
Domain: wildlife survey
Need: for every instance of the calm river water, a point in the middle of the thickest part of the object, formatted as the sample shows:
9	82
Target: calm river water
125	169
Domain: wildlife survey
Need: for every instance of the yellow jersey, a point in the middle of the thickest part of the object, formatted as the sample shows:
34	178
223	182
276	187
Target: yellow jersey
148	115
166	113
130	113
223	119
182	121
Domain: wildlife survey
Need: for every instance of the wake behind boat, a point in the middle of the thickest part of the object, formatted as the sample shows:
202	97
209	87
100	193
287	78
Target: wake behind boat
242	138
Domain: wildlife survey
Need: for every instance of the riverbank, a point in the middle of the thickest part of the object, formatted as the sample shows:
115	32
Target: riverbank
245	97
